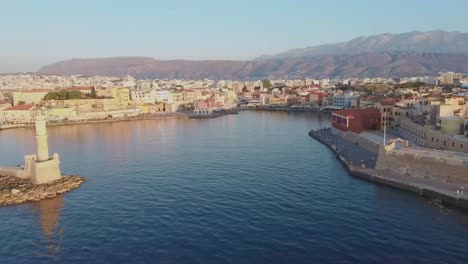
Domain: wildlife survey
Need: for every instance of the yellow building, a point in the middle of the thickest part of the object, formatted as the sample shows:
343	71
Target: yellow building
457	102
60	113
452	125
281	100
192	95
177	97
18	114
122	94
34	96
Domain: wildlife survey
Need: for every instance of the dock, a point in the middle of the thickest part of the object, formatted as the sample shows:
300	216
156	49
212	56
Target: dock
444	192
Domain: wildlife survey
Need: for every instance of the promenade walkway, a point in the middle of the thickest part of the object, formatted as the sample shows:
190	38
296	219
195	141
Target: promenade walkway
353	153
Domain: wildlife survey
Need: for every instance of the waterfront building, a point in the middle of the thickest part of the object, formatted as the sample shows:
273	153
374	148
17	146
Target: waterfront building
344	100
144	96
34	96
429	137
356	120
202	108
18	114
122	94
163	96
316	98
4	104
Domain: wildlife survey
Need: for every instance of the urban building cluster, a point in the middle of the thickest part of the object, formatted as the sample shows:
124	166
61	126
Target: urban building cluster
431	111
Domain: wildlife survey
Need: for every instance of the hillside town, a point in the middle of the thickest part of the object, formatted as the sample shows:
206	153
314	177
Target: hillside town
430	111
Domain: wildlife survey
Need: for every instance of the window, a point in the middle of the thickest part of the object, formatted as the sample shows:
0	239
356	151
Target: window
453	144
432	139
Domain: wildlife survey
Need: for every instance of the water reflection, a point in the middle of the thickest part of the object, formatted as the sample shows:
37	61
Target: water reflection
49	211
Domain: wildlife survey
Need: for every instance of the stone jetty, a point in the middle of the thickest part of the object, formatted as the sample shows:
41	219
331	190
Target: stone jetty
39	178
14	190
366	164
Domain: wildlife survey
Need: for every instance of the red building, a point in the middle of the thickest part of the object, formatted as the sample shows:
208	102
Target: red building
316	98
356	120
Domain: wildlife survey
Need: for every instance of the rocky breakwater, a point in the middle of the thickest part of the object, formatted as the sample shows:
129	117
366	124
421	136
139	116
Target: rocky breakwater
14	190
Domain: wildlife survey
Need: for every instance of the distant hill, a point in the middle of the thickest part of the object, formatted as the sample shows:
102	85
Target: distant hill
387	55
416	41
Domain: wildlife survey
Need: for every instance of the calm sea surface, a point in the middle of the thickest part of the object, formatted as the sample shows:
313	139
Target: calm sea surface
247	188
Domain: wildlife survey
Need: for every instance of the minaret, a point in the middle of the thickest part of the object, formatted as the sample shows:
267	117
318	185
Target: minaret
41	138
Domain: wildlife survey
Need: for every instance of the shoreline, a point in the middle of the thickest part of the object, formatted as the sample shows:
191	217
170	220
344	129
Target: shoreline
125	119
285	109
173	115
396	181
14	190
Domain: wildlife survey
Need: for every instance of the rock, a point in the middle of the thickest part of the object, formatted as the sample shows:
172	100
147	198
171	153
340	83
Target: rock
15	190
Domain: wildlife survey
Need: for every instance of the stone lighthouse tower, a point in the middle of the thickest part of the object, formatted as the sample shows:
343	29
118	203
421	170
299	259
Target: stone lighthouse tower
41	138
41	168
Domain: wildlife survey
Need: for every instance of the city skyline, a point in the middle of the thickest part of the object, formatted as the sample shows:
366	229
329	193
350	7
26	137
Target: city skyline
41	33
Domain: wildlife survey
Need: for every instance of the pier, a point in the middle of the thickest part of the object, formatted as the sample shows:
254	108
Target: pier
39	178
361	163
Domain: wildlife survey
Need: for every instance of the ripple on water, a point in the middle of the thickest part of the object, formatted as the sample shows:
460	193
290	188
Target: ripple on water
250	188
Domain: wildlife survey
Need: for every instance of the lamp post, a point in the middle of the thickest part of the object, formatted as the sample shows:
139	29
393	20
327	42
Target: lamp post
385	128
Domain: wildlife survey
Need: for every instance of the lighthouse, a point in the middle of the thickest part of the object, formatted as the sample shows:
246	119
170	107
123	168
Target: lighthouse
41	139
40	167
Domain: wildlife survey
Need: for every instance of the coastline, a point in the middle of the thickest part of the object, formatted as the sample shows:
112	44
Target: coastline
284	109
14	190
173	115
416	186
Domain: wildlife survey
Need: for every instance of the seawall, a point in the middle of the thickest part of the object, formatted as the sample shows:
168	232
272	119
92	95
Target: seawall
91	121
424	187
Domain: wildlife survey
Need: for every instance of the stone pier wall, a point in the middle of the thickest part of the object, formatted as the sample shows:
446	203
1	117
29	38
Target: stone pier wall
442	168
357	139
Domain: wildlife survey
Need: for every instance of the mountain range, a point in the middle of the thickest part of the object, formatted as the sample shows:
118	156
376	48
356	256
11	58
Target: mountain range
387	55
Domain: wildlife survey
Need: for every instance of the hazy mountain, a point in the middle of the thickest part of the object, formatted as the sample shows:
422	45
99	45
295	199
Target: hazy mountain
421	42
390	55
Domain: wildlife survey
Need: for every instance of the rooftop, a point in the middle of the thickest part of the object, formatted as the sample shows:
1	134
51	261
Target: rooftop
356	112
24	107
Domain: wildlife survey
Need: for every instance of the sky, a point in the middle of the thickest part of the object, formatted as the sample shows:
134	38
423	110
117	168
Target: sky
35	33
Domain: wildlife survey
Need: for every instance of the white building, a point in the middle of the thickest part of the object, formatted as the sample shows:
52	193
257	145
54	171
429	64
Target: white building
344	100
164	96
144	96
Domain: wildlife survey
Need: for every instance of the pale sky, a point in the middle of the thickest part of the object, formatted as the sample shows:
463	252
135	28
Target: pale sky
38	32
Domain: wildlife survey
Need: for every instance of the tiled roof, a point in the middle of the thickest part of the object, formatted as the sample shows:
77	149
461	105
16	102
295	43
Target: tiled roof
24	107
356	112
80	88
36	91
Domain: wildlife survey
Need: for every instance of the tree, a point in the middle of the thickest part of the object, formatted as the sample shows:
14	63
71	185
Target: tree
411	85
74	95
93	93
63	95
267	84
51	96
